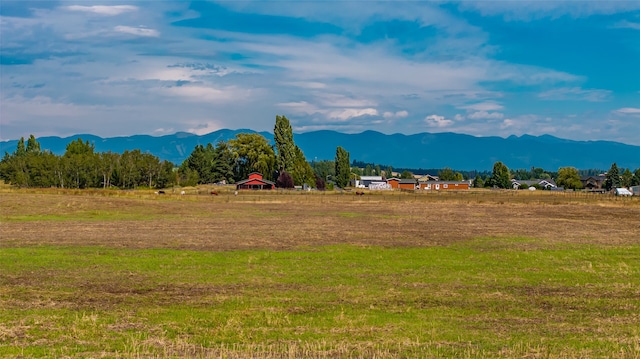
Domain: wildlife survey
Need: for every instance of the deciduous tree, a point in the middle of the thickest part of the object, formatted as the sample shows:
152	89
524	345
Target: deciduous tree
626	178
252	153
500	176
568	177
343	168
285	147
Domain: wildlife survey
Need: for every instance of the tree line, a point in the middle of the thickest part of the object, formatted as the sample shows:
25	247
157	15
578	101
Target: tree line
226	162
231	161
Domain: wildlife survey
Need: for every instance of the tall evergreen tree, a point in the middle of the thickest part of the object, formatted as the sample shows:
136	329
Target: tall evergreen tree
20	148
343	168
285	147
223	162
612	179
33	146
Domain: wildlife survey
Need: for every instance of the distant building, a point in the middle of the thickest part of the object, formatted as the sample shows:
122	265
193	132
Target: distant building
366	181
255	181
543	183
623	192
593	183
444	185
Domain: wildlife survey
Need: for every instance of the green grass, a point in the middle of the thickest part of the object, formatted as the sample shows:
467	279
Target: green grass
485	297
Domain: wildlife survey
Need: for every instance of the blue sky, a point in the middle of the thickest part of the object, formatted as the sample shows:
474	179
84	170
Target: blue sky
486	68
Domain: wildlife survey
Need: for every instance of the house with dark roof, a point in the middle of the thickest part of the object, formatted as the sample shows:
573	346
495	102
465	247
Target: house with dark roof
593	183
255	181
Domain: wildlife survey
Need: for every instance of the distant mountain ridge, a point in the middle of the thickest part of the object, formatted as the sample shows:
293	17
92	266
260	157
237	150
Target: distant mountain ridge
422	150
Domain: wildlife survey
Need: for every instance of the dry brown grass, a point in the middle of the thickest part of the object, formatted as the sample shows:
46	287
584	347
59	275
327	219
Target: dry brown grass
281	221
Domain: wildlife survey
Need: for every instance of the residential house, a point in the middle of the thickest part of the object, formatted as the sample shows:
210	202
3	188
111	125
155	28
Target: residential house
365	181
255	181
543	183
593	183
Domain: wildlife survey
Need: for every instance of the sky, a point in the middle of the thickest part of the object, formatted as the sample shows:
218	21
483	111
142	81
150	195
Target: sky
570	69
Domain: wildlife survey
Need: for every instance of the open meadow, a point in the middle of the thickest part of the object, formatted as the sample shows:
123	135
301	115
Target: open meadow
132	274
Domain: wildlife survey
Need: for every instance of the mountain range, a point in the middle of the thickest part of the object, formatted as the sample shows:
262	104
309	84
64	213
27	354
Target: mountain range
422	150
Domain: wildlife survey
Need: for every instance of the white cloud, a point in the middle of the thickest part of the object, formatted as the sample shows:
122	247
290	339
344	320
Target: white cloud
163	131
508	123
519	10
575	94
349	113
203	127
627	111
484	115
137	31
437	121
627	25
308	84
483	106
103	9
200	93
398	114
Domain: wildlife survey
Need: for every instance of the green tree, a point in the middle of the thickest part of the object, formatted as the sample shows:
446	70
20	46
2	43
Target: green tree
478	182
343	168
626	178
301	172
107	164
612	179
167	176
20	148
447	174
223	162
80	164
388	172
635	181
150	168
285	147
500	176
14	167
201	161
406	175
129	171
324	169
568	177
32	145
252	153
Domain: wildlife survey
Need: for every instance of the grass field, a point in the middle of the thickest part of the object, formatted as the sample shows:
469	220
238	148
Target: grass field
476	274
